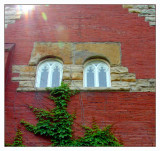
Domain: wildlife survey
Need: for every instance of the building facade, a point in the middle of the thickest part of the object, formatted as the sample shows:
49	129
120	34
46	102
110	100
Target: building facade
105	51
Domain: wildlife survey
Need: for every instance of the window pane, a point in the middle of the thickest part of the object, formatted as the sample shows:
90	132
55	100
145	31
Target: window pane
44	77
90	77
102	78
55	77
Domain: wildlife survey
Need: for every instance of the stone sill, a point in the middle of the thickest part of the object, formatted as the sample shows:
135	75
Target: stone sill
90	89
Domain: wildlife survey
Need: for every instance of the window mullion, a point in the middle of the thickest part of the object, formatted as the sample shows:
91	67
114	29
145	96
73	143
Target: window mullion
85	77
49	82
96	77
38	78
61	73
108	78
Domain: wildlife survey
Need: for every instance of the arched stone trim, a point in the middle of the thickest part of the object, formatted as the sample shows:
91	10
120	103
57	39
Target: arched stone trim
92	76
49	73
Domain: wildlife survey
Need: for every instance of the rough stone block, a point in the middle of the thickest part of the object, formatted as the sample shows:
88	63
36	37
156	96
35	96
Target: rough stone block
152	82
128	6
151	6
148	11
67	76
130	77
119	69
10	12
23	79
30	84
73	68
23	68
17	68
148	89
77	84
142	82
9	21
27	74
120	84
141	6
146	15
134	10
48	49
22	89
108	50
115	77
135	89
77	76
152	23
152	19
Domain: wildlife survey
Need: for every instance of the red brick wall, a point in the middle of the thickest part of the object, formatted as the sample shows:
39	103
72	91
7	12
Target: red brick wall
101	23
133	114
9	48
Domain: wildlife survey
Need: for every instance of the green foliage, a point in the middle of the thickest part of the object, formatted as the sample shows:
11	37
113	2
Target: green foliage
57	123
97	137
18	142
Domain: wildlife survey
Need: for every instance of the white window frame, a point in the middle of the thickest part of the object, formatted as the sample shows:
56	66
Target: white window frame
51	64
96	75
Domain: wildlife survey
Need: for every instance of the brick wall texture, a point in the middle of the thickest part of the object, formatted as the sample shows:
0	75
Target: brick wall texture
131	113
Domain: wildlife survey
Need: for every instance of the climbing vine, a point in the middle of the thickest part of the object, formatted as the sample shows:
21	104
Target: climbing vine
57	123
18	141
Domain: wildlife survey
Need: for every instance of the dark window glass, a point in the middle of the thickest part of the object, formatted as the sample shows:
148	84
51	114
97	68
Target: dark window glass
55	77
90	77
102	78
44	78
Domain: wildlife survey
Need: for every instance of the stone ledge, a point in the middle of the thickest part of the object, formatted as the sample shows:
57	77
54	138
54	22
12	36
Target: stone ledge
100	89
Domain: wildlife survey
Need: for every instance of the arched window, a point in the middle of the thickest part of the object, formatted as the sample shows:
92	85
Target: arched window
97	74
49	74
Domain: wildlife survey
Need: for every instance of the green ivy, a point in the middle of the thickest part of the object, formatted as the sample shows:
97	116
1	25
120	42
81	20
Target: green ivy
57	123
97	137
18	142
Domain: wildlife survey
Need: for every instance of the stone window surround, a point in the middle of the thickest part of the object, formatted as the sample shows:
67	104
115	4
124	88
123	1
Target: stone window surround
38	73
120	78
74	56
108	78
